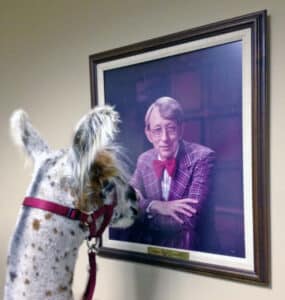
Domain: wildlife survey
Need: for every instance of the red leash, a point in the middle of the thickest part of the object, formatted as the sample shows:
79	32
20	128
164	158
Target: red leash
88	219
89	290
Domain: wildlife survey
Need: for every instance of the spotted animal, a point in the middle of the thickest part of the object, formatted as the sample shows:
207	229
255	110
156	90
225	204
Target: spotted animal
44	246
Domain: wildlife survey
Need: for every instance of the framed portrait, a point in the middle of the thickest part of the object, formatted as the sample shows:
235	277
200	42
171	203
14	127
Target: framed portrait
217	74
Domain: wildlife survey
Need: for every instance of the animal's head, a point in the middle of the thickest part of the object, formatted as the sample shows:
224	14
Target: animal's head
87	175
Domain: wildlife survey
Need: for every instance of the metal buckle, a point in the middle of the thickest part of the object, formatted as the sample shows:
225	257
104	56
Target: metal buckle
88	221
70	210
93	245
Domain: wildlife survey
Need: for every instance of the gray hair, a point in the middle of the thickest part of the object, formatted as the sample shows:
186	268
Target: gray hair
168	107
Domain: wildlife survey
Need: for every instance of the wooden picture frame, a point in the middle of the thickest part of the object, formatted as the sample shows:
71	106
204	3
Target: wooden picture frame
218	73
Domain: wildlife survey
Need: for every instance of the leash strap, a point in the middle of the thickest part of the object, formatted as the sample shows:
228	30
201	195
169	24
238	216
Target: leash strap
89	290
88	219
93	248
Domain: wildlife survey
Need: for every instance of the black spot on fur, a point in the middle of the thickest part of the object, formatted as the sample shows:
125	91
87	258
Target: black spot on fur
71	279
83	226
131	194
13	276
62	288
75	251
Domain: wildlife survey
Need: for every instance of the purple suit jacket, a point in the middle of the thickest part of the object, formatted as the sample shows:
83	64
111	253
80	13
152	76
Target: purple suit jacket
191	180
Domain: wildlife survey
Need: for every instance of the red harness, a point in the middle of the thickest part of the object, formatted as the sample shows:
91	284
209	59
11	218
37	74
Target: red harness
89	220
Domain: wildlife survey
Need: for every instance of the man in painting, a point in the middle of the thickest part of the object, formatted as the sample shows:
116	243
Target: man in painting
172	179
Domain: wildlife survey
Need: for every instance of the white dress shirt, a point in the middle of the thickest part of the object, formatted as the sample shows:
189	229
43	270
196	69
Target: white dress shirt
165	185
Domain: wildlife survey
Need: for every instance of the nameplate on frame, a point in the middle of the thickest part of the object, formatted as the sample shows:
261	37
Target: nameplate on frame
168	253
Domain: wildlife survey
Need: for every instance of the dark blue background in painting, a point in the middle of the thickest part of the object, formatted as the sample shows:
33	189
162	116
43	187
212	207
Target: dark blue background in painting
208	84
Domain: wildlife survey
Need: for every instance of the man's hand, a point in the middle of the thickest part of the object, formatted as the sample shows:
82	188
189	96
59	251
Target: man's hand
174	208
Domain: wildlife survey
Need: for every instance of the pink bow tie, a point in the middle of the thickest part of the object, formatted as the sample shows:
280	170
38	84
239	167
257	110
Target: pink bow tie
160	165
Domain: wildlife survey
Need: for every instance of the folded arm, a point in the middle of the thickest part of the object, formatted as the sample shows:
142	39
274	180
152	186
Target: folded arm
177	214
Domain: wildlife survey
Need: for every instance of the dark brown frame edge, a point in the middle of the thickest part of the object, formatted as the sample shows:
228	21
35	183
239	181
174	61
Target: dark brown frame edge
257	22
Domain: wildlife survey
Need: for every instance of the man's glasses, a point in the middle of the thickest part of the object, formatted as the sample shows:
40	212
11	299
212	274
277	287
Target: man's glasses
158	131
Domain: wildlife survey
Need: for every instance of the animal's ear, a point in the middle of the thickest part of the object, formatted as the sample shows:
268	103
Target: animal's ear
94	132
25	136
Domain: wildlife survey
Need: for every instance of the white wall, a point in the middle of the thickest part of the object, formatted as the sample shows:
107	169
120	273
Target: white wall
44	69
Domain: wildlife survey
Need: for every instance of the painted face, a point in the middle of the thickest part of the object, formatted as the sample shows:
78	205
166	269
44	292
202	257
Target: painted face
164	134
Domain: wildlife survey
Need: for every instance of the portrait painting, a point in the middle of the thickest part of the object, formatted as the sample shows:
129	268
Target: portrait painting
212	110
